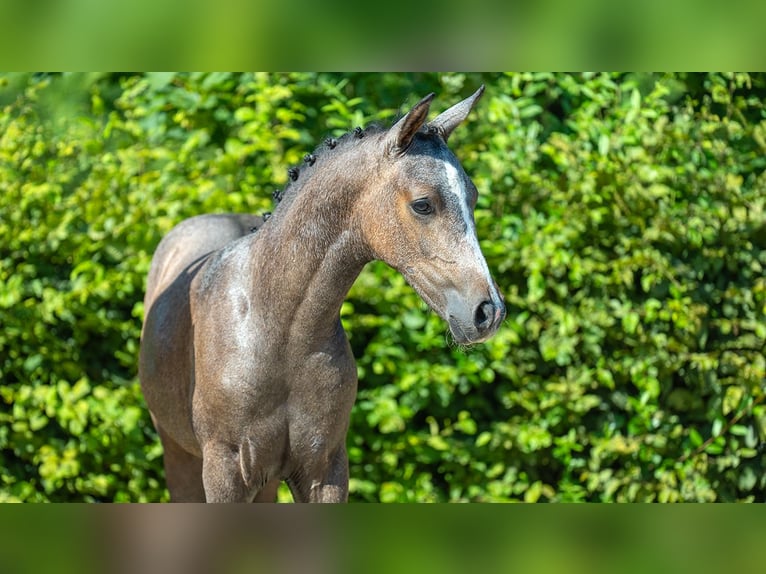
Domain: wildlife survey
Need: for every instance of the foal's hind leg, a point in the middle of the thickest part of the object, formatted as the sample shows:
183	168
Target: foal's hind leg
183	471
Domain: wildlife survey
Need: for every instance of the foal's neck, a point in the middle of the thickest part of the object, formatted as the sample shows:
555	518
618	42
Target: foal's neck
310	253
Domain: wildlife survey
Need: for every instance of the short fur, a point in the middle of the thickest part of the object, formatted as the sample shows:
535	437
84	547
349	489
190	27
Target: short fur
244	364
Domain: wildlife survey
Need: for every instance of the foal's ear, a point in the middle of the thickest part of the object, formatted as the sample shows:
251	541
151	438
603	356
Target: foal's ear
449	119
401	134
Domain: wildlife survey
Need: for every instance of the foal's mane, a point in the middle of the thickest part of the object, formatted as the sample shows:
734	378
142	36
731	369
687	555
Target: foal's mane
328	146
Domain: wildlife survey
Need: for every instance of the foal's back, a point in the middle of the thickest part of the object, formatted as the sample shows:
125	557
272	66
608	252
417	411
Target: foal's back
190	242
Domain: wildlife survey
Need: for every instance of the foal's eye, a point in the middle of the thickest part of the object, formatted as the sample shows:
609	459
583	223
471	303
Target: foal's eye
422	207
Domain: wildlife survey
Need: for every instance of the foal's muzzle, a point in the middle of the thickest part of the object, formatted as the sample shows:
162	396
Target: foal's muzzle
487	318
476	323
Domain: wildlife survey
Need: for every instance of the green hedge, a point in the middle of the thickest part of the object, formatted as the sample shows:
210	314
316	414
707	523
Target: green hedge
623	216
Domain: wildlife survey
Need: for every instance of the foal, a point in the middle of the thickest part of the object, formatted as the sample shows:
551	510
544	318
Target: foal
244	364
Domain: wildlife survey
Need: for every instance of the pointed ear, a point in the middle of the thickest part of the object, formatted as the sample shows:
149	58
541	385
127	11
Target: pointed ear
449	119
402	132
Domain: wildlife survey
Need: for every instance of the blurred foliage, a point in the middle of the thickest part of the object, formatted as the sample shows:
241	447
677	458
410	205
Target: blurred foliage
622	215
286	35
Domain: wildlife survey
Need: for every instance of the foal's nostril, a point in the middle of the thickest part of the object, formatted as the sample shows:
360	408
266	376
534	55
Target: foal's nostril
483	316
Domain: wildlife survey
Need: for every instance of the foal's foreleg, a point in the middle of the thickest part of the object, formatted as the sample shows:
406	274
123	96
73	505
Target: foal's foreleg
222	474
330	486
268	492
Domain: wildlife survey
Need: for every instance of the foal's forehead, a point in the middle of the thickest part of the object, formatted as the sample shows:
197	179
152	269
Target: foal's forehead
428	144
431	161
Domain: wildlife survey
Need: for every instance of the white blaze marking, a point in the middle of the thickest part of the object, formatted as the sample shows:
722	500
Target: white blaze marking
456	186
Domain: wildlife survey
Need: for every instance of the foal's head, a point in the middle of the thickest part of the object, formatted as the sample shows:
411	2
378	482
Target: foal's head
419	219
